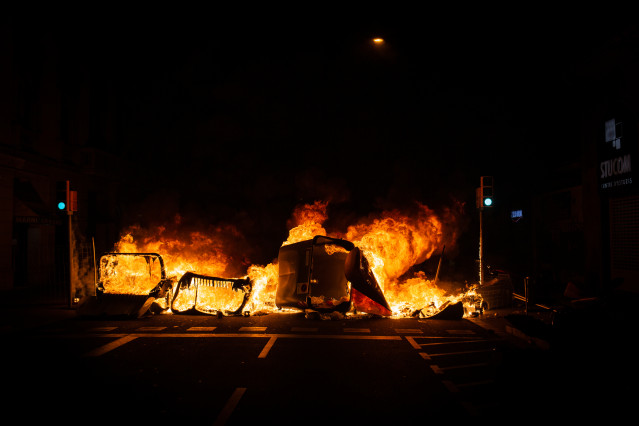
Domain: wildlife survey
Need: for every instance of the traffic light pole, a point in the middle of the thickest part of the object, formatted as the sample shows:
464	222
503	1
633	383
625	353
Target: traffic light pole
70	232
484	198
71	282
481	247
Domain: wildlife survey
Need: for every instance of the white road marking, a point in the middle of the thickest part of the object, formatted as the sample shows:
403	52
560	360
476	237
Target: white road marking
252	328
122	339
461	352
268	347
110	346
408	330
201	328
440	370
413	343
450	386
103	328
229	407
452	341
460	332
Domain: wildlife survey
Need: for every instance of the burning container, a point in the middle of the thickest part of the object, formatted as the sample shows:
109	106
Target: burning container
196	293
129	285
313	275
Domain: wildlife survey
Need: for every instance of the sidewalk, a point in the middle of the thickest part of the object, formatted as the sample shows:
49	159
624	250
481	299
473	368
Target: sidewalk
19	317
571	325
522	328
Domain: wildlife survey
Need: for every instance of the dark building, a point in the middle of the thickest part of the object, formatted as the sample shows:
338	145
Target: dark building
572	215
583	205
58	123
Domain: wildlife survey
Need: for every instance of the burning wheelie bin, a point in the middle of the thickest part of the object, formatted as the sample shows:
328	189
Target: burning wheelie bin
327	274
129	285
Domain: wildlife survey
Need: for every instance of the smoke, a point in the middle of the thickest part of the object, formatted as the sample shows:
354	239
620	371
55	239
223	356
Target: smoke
213	249
316	184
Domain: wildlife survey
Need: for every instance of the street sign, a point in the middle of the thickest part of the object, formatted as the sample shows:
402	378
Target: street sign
516	215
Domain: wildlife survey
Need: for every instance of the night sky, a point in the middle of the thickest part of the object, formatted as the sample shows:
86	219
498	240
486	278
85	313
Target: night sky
239	120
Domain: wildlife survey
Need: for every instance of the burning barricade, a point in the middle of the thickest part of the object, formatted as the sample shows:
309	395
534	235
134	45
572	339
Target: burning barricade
367	269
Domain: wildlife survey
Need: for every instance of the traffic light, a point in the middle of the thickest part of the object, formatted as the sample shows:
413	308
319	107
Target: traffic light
62	196
66	200
486	191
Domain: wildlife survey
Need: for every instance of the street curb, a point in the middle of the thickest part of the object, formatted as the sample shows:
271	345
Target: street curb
534	341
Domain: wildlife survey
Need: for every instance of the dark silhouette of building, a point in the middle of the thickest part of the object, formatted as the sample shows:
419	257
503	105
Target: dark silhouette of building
58	123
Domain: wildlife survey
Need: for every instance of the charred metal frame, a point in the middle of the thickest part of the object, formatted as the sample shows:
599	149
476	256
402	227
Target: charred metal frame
190	279
159	291
123	303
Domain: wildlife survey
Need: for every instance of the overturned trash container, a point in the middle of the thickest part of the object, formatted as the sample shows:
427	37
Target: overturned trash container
205	294
129	285
312	275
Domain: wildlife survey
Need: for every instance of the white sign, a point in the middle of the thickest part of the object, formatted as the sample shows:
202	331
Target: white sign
615	165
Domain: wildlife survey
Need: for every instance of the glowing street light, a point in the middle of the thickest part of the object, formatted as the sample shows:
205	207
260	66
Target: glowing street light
378	40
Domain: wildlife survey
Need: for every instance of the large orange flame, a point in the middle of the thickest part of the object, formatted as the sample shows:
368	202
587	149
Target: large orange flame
394	242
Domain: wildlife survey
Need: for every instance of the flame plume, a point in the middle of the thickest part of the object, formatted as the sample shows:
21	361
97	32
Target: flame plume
394	242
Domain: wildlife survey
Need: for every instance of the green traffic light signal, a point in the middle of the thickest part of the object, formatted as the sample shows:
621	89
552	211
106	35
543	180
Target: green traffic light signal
62	195
485	192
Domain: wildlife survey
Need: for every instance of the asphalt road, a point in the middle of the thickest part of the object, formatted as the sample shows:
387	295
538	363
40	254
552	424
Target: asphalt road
283	368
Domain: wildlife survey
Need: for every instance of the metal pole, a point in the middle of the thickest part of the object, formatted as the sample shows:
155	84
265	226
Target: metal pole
526	284
95	270
71	282
439	264
481	242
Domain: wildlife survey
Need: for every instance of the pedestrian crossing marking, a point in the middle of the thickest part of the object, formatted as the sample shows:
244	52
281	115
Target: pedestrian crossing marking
268	347
201	328
460	332
103	328
450	386
408	330
110	346
252	328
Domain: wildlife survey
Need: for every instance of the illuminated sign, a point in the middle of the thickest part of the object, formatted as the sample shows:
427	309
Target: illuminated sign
516	215
615	158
